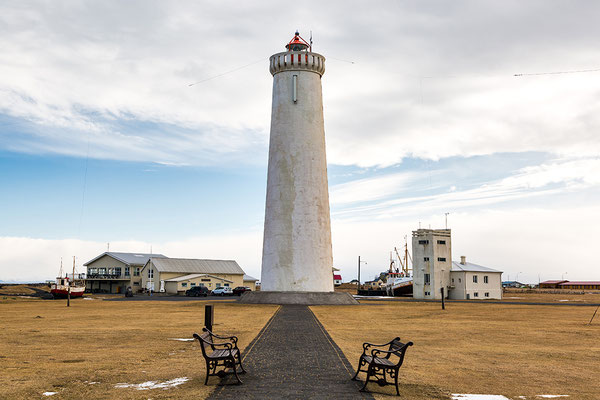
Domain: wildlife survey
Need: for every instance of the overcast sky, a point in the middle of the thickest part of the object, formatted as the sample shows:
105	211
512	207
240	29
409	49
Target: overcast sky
467	107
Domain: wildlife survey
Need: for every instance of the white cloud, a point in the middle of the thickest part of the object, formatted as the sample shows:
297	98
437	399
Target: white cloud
562	176
117	76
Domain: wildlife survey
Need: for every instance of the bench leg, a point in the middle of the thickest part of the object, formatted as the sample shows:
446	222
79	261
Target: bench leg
235	370
369	371
360	363
396	382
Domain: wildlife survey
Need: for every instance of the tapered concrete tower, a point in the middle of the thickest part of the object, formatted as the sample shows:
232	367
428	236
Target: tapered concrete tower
297	238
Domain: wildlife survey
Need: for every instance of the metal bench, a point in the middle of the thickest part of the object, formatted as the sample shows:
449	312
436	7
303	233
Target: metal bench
220	354
380	362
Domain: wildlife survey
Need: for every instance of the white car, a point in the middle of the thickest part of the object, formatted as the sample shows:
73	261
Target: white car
222	291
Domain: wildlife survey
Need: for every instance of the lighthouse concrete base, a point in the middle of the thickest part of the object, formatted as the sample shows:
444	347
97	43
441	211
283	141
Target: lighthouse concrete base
300	298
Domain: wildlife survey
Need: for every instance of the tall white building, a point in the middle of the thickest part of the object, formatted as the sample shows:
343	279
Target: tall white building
432	262
297	255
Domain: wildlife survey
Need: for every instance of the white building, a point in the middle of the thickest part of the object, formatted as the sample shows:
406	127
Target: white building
434	270
472	281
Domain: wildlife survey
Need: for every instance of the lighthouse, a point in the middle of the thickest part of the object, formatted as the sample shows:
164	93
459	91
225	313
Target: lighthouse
297	258
297	254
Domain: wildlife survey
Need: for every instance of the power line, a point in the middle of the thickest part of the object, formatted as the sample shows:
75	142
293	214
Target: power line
559	72
228	72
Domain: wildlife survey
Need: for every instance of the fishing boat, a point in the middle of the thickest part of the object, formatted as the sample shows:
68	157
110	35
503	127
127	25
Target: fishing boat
399	281
66	286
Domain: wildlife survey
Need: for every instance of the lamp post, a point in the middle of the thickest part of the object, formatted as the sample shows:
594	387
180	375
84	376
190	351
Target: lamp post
517	279
364	262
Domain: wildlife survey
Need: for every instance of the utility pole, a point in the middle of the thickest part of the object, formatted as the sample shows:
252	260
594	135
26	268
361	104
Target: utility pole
446	214
364	262
70	282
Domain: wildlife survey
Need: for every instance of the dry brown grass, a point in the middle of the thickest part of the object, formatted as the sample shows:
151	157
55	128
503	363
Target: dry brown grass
22	290
477	348
548	296
45	346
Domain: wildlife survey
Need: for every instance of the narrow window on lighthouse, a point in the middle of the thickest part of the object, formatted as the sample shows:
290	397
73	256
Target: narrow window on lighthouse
295	88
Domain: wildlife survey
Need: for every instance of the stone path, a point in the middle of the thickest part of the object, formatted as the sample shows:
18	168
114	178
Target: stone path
293	358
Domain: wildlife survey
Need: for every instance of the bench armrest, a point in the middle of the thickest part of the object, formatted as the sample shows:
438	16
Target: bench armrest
366	345
376	352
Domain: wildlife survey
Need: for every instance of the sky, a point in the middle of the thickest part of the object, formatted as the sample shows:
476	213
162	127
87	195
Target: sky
484	110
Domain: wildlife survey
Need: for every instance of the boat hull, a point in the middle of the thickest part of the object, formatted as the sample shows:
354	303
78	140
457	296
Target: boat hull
59	293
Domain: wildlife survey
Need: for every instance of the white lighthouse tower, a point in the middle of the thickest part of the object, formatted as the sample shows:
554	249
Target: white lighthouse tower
297	253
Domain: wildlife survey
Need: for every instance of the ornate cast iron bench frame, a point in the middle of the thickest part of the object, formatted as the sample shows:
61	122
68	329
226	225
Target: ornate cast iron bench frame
379	362
223	354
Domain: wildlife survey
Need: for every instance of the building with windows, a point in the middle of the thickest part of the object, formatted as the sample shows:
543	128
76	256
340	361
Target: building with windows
176	275
471	281
580	285
113	272
555	284
432	262
434	270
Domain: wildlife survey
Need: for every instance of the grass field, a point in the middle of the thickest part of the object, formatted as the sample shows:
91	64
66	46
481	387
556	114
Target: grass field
510	350
88	349
85	350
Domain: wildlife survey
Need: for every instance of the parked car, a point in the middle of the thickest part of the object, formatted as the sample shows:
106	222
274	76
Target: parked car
222	291
197	291
241	289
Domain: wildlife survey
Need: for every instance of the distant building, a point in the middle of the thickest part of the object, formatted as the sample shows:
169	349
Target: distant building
512	284
580	285
434	270
374	284
113	272
551	284
337	280
176	275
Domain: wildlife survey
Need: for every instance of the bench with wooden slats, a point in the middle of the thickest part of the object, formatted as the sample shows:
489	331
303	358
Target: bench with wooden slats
220	351
382	362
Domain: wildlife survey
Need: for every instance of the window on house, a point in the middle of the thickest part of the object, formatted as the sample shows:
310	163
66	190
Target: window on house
442	259
136	272
452	280
459	280
441	242
226	285
205	280
423	241
184	284
136	283
218	284
425	258
427	293
474	278
487	294
150	273
427	279
126	271
116	271
485	279
192	284
476	294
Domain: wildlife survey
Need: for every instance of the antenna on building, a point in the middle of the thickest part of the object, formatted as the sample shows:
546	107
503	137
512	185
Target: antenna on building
310	47
150	249
446	214
107	247
419	224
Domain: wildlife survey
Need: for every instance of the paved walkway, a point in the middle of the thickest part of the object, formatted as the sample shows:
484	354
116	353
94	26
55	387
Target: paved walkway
293	357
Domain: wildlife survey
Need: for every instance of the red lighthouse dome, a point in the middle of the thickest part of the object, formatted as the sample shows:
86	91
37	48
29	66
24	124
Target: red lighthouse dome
297	43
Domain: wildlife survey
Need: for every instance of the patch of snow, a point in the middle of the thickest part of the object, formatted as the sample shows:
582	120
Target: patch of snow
559	300
49	393
551	396
153	384
356	296
513	297
457	396
88	298
183	339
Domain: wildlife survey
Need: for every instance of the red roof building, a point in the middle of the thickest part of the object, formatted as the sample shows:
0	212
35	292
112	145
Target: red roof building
337	280
551	284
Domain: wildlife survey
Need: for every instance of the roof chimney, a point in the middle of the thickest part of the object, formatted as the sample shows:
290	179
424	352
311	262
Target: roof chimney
463	260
